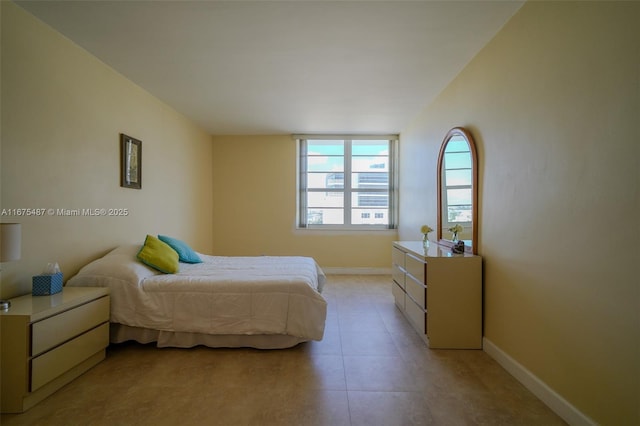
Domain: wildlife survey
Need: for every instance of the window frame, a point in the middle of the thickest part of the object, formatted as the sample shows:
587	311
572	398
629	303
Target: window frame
347	191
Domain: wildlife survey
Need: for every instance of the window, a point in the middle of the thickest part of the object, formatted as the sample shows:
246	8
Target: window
347	182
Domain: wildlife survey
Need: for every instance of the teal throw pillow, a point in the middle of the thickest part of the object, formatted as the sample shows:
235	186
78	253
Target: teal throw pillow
185	253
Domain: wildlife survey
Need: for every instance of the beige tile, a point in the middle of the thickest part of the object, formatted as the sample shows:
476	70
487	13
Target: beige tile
352	322
389	408
331	344
301	408
380	373
368	343
319	372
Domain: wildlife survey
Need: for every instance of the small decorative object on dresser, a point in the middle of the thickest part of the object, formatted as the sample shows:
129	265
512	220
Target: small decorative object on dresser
425	229
458	247
456	229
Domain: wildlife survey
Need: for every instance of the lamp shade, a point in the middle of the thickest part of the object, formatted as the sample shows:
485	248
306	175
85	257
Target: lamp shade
10	241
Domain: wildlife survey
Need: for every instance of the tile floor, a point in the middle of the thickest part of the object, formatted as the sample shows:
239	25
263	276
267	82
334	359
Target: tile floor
370	369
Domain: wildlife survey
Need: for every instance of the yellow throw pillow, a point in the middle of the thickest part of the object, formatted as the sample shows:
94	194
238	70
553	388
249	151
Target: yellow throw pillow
159	255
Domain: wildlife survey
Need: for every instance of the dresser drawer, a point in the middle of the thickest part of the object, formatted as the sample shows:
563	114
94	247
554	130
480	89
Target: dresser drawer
417	291
57	329
415	267
417	315
398	295
50	365
398	275
397	257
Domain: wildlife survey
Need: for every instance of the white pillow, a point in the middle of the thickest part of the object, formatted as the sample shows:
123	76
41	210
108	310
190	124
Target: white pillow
116	267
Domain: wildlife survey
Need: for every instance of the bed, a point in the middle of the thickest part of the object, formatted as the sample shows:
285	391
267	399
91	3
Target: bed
264	302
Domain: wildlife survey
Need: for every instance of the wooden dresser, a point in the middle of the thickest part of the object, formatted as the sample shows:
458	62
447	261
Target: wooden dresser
47	341
439	293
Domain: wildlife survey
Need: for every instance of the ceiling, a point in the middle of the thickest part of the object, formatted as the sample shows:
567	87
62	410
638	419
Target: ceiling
274	67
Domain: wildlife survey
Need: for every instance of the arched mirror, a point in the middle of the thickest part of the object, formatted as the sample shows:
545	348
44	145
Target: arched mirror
458	190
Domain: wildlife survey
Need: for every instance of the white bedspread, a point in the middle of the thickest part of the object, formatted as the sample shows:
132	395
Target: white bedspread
222	295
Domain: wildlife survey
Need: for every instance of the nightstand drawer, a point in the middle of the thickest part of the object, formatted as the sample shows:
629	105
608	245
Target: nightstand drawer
50	365
53	331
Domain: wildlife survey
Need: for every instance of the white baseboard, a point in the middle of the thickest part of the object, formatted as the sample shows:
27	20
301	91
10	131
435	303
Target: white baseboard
551	398
355	271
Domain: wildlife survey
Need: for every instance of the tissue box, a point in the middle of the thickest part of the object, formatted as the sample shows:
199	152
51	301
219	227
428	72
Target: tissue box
47	284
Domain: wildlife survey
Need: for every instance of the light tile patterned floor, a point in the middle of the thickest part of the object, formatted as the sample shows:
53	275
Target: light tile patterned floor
370	369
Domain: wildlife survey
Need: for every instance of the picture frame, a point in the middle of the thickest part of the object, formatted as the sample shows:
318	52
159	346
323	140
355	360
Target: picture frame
130	162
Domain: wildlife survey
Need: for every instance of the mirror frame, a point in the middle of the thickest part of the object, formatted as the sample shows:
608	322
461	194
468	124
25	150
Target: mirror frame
460	131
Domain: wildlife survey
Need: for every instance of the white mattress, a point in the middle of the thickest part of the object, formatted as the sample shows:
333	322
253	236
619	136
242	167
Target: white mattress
221	296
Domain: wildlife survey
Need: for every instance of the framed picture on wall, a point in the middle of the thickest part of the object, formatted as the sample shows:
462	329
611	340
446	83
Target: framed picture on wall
130	162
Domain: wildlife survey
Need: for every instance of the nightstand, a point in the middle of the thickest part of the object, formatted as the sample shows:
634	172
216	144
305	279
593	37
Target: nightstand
47	341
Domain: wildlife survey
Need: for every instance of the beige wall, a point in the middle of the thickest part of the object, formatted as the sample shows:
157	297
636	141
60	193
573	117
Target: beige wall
254	198
553	102
62	113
